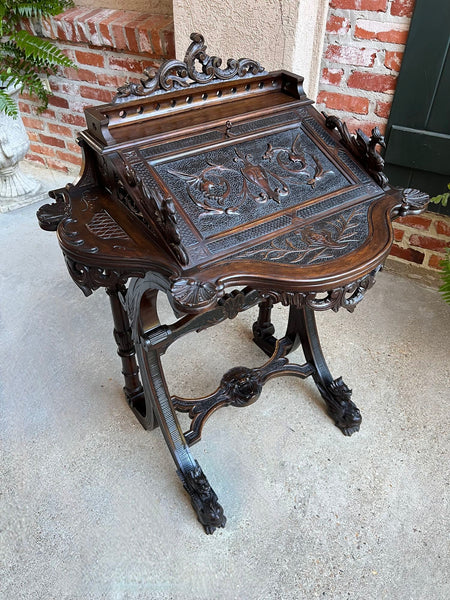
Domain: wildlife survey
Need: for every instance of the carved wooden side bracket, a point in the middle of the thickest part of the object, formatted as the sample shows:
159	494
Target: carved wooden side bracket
89	278
362	147
150	200
413	202
174	74
51	215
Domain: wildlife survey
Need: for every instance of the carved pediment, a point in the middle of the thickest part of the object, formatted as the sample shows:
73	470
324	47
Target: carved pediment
174	74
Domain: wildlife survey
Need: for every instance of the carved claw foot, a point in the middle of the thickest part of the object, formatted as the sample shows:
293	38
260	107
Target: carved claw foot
345	413
204	499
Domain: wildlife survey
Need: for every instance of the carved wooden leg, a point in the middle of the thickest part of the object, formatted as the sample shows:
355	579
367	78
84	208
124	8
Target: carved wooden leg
126	350
346	415
263	329
149	338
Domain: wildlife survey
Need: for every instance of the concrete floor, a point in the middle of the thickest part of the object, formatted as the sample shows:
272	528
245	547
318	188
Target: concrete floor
91	505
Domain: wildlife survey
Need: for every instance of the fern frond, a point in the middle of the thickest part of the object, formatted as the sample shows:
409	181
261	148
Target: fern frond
40	51
44	8
24	74
7	105
445	287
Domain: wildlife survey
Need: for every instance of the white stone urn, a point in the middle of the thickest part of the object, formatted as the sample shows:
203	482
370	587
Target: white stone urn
16	188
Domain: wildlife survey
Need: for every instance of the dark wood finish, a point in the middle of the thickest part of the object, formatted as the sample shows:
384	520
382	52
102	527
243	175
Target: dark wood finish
196	181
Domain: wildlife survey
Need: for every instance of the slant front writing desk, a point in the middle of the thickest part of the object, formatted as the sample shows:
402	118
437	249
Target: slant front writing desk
199	179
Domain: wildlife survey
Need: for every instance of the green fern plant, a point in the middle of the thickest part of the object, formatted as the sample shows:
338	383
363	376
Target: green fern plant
24	57
445	287
445	264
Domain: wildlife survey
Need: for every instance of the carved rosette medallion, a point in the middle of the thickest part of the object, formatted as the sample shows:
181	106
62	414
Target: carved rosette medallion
242	386
191	294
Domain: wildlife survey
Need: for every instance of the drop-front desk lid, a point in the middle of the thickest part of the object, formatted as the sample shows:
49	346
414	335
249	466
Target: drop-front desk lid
231	175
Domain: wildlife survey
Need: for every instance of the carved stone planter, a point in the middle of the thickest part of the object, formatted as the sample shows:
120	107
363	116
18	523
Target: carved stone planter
16	188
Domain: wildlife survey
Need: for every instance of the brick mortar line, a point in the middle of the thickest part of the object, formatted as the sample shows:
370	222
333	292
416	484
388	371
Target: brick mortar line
422	232
349	12
428	253
380	69
357	92
362	44
343	114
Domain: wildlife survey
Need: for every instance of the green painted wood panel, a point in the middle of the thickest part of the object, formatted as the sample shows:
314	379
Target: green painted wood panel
418	131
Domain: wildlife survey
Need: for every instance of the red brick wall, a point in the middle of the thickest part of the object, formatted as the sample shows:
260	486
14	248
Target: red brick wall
110	47
364	46
422	239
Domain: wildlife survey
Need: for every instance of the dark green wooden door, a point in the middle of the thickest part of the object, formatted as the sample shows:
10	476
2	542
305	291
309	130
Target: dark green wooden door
418	131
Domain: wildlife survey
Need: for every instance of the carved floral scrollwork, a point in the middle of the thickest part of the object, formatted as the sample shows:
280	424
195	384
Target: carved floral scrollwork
167	221
89	278
211	189
51	215
311	243
348	296
362	147
232	303
176	74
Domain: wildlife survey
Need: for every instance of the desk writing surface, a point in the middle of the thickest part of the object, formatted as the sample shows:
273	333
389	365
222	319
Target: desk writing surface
280	178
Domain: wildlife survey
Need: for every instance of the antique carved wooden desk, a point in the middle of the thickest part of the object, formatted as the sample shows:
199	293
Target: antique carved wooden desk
198	180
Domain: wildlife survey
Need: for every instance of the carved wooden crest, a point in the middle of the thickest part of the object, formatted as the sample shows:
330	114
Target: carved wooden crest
174	74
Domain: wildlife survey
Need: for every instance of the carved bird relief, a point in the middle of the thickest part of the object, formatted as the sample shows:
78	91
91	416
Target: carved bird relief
295	155
319	172
258	175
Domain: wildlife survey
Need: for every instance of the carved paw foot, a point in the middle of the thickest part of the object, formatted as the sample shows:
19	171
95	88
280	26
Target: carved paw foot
345	413
204	499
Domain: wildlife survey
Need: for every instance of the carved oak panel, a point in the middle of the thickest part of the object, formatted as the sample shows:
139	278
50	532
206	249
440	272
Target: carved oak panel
237	184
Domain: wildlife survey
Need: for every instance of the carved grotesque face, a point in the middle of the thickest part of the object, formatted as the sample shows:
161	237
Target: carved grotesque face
242	386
